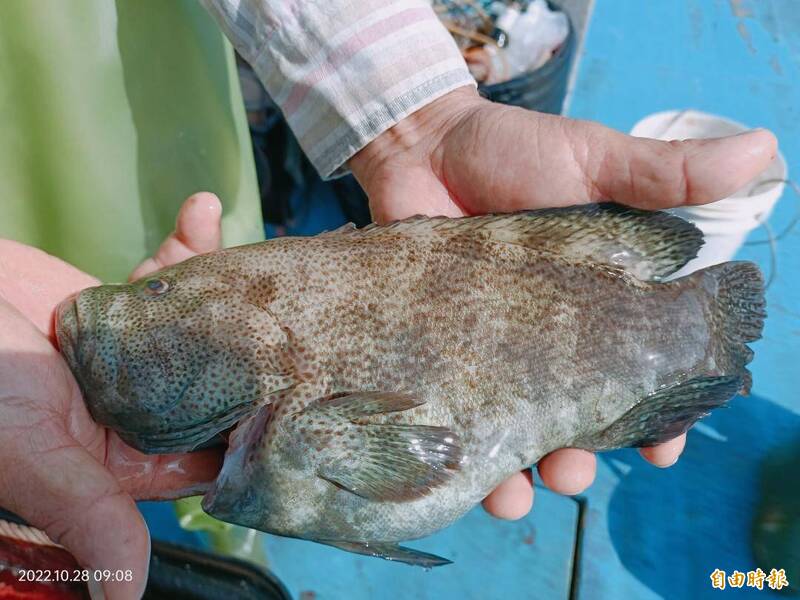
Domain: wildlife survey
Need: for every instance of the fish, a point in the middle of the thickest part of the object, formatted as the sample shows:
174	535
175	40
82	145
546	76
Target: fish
375	384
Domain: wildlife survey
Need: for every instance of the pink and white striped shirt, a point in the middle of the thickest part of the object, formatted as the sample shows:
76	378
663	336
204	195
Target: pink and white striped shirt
343	71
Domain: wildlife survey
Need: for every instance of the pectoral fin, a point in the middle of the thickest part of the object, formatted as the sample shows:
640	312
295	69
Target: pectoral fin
390	551
380	461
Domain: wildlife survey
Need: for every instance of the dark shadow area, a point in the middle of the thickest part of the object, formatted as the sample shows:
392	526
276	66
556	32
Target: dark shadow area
673	528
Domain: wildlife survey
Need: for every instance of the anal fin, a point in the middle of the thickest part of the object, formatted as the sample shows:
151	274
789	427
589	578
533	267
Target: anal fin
391	551
665	414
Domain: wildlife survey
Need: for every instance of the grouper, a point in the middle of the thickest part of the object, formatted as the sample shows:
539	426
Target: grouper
374	384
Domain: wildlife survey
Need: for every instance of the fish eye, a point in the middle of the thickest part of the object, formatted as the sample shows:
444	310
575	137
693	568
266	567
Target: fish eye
156	286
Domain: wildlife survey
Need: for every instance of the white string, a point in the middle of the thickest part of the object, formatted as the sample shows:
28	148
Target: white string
773	239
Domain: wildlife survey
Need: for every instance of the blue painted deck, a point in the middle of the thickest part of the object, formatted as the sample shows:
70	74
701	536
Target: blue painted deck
639	532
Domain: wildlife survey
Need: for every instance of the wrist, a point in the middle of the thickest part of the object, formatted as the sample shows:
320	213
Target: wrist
416	137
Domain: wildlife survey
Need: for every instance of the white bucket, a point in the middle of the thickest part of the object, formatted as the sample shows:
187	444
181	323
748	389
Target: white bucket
725	223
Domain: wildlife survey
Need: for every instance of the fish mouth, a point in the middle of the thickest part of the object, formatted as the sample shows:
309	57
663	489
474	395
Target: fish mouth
75	340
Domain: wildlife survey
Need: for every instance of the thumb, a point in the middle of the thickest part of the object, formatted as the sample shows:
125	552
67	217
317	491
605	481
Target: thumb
655	174
69	495
198	229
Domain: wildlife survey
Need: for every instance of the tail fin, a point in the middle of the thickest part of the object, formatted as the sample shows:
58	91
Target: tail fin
738	313
737	317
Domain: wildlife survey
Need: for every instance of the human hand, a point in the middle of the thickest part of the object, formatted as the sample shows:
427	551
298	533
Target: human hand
463	155
59	469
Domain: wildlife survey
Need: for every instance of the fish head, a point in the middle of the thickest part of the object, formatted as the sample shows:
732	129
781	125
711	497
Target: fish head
172	359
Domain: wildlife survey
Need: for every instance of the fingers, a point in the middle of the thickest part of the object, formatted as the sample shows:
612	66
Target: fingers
568	471
666	454
63	490
513	498
198	229
162	477
656	174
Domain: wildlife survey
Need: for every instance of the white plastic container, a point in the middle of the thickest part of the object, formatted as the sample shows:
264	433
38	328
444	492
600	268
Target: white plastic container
727	222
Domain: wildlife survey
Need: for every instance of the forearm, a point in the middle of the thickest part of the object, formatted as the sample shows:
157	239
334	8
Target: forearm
342	71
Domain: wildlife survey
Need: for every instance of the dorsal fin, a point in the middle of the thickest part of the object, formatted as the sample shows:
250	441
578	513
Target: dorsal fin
648	245
346	228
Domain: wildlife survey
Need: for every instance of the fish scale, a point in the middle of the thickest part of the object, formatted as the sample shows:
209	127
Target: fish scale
382	381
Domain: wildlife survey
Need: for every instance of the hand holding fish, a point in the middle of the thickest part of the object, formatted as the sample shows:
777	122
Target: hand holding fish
59	469
462	155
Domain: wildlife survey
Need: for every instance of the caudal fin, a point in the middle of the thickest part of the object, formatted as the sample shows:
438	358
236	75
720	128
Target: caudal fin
736	318
738	313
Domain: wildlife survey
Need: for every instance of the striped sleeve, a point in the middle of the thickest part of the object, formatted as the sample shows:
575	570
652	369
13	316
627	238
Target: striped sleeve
343	71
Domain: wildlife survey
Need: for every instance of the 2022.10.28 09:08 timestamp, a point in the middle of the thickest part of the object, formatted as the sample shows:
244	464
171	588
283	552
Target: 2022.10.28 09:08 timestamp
74	575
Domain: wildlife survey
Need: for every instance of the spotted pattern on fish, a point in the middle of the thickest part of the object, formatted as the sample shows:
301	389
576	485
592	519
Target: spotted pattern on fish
385	380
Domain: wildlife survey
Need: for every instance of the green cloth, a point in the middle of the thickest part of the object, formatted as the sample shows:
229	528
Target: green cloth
111	114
